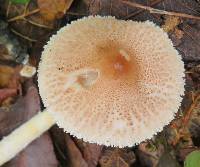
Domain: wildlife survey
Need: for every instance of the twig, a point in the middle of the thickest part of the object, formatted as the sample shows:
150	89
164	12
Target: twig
184	5
23	36
158	11
185	30
24	15
38	24
60	151
26	7
8	9
141	10
187	116
180	130
76	14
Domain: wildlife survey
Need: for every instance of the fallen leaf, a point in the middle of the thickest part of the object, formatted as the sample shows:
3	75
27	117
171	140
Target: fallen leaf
23	109
10	48
7	92
194	73
167	160
66	150
9	77
104	7
149	154
189	47
179	33
171	22
26	22
91	152
53	9
58	138
6	74
115	157
183	152
194	121
10	82
74	153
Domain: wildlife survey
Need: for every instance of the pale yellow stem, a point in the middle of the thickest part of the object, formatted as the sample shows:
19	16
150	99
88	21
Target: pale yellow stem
12	144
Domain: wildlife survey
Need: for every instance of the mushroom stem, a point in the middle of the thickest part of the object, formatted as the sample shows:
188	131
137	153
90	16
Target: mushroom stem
24	135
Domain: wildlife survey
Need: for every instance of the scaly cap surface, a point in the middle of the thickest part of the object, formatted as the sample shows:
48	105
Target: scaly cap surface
110	81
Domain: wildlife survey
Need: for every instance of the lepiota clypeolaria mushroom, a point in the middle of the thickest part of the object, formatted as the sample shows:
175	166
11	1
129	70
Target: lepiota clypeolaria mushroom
107	81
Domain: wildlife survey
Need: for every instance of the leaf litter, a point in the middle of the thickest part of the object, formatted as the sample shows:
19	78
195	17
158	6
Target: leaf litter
32	23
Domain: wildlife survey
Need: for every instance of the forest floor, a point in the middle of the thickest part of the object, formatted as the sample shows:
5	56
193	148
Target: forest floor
24	30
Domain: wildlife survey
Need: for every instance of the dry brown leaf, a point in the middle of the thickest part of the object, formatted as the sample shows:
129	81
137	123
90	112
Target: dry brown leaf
10	82
104	7
7	92
183	152
91	152
149	156
115	157
170	23
66	150
167	160
179	33
74	153
6	73
27	23
53	9
23	109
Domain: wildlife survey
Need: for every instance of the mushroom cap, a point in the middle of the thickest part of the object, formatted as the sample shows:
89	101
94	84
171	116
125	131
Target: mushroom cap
110	81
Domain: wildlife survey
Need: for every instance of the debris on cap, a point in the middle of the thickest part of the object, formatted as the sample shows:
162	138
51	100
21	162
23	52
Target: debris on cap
27	71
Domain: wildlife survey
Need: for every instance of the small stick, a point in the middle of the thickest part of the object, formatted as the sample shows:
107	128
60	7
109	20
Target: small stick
187	116
185	120
23	36
76	14
37	24
8	9
12	144
141	10
158	11
26	7
24	15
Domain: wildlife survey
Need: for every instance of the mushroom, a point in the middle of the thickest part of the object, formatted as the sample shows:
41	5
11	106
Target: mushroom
107	81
